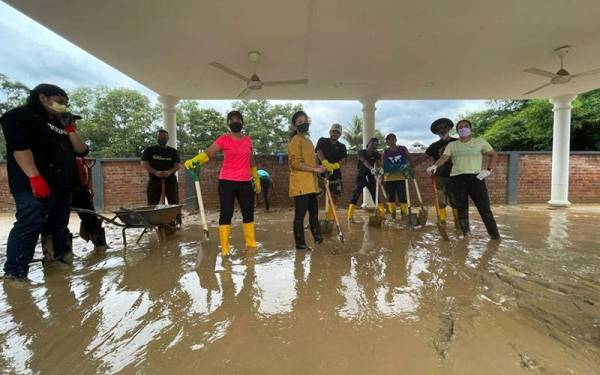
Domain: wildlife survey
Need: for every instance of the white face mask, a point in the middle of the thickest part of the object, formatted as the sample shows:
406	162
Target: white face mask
58	108
464	132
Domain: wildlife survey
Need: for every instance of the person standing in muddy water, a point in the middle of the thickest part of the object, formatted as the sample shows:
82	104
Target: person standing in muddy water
42	144
332	153
303	180
467	179
238	172
266	183
396	168
369	161
441	127
161	162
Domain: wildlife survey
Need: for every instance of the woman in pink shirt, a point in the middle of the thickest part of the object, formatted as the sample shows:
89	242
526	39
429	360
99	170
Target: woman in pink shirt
235	179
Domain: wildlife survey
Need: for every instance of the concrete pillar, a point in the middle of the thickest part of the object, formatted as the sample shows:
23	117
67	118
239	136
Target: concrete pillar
368	104
169	123
561	141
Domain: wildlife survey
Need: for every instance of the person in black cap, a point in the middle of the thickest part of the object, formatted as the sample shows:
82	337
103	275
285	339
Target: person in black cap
161	162
42	144
369	166
441	127
332	153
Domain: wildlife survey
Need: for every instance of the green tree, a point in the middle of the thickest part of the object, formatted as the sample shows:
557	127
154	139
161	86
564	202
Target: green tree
354	134
267	124
197	128
12	94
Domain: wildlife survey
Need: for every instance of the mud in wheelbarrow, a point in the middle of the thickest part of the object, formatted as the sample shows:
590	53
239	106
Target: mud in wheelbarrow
163	218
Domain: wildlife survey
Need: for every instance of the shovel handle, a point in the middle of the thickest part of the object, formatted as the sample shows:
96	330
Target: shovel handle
201	206
332	205
436	201
162	191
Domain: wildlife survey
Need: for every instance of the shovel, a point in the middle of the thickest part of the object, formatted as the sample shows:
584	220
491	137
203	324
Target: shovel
422	218
326	225
375	219
441	225
330	199
412	218
162	191
196	177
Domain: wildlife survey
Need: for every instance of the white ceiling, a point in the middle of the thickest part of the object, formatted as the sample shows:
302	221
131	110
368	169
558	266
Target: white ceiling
389	49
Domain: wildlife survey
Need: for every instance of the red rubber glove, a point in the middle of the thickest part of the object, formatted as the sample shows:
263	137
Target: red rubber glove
71	128
39	187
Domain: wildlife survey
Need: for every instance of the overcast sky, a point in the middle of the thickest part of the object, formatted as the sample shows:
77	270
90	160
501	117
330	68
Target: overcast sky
32	54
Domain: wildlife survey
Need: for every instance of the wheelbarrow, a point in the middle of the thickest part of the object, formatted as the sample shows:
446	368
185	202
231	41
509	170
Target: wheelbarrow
161	217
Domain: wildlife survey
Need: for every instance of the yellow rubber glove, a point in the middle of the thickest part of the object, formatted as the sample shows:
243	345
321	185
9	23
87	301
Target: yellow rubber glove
201	158
256	178
328	166
336	166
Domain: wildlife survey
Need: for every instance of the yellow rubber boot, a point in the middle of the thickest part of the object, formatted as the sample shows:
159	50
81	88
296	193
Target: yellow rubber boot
456	222
443	214
351	208
404	209
249	235
224	231
380	210
392	209
330	215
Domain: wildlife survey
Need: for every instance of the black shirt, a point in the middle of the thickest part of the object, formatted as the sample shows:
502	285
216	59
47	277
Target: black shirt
30	128
435	150
334	152
161	158
362	170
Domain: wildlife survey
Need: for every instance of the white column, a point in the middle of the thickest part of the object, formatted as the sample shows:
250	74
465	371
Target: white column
561	141
368	109
169	123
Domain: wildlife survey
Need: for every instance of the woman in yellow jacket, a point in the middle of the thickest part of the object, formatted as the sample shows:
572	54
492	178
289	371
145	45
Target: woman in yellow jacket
304	171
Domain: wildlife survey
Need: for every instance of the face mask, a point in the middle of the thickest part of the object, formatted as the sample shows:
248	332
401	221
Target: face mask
58	108
162	142
303	128
235	127
464	132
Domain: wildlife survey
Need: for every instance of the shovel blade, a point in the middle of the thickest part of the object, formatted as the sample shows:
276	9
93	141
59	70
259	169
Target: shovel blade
375	220
442	229
422	219
326	226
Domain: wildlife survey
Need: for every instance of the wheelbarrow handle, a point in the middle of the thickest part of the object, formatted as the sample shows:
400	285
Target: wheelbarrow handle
94	213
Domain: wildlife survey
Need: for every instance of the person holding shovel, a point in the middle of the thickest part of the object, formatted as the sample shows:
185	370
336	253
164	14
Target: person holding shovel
332	153
236	178
369	161
396	168
161	162
304	188
467	178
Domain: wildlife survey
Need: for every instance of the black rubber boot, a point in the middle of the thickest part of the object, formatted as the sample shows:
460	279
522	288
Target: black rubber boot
315	229
492	228
99	238
464	226
299	236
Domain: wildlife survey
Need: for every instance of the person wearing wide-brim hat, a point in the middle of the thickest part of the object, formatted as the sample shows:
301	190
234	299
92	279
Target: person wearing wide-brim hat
467	177
441	127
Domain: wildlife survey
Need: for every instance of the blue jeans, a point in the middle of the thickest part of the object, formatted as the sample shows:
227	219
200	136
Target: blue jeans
35	216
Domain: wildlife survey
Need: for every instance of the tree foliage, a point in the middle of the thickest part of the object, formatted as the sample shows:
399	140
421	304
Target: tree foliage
12	94
354	134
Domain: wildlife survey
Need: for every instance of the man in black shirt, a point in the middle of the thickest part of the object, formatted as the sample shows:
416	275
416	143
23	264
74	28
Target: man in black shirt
442	127
41	143
368	167
161	162
332	153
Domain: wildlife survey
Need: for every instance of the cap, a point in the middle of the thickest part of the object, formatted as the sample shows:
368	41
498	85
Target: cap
336	127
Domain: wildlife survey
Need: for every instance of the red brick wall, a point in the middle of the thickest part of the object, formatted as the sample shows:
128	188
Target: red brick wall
125	181
535	177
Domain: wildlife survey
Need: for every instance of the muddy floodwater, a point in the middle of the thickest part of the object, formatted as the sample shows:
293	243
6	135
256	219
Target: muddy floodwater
388	301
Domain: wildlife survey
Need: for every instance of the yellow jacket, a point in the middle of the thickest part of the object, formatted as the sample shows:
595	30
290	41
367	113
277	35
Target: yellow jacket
301	150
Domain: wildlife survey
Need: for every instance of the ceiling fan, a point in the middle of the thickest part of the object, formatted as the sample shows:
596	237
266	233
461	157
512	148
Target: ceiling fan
562	76
254	83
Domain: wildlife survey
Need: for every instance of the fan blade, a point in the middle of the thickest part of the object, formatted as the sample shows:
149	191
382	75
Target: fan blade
244	93
538	88
229	71
588	73
285	83
540	72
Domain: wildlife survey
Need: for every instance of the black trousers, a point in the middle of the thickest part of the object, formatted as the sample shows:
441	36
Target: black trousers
229	191
302	204
468	185
154	190
395	189
265	184
363	181
444	194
